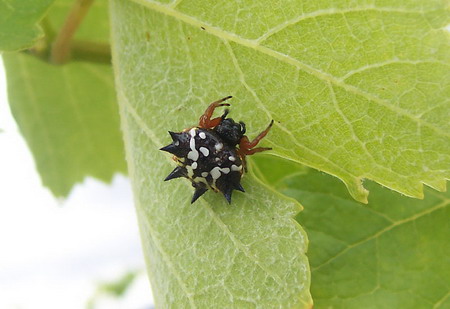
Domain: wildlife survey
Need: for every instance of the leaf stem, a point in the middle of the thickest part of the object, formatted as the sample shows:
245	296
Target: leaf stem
62	46
91	51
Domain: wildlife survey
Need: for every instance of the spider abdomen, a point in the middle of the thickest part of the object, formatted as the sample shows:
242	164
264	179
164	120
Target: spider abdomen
207	161
212	155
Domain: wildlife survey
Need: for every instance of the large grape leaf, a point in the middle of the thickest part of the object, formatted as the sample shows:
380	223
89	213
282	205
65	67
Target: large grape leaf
210	254
18	22
357	89
392	253
68	114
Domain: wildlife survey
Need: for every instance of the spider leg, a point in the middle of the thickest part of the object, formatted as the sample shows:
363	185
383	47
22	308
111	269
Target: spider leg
249	152
205	120
216	121
246	145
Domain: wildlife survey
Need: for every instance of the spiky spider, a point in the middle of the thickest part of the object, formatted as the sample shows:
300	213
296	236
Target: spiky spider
212	154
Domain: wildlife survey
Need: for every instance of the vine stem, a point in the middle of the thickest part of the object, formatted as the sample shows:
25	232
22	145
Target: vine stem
62	46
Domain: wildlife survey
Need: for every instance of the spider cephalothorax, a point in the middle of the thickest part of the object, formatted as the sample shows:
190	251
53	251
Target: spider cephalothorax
212	154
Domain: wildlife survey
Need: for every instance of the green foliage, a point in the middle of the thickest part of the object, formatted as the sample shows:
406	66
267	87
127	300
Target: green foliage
392	253
209	254
18	23
116	288
68	115
357	90
69	119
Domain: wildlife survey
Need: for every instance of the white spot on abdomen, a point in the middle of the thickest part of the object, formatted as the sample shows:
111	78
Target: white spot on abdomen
205	174
190	171
231	158
192	132
193	154
215	172
205	151
202	135
236	168
194	165
218	146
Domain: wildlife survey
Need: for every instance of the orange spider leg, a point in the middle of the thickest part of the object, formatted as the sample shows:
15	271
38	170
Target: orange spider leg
246	146
216	121
205	120
249	152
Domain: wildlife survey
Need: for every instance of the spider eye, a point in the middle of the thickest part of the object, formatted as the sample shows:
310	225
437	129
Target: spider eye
243	130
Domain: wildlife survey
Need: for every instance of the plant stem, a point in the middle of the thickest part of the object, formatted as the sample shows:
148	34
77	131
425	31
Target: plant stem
91	51
62	46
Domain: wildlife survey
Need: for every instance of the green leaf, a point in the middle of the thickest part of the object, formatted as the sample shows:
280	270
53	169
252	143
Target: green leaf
210	254
118	287
68	114
69	118
18	22
392	253
115	288
357	89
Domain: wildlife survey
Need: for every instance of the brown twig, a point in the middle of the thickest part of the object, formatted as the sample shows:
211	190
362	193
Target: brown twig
62	46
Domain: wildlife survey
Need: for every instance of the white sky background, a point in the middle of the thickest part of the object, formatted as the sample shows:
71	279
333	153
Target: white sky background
53	253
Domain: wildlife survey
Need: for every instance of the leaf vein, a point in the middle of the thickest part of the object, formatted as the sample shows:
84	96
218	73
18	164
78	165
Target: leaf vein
442	300
288	132
164	9
126	107
242	247
329	12
389	62
213	215
383	231
166	258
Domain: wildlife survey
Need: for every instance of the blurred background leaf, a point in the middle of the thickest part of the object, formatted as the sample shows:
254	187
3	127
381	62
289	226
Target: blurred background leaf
392	253
68	114
19	20
114	288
